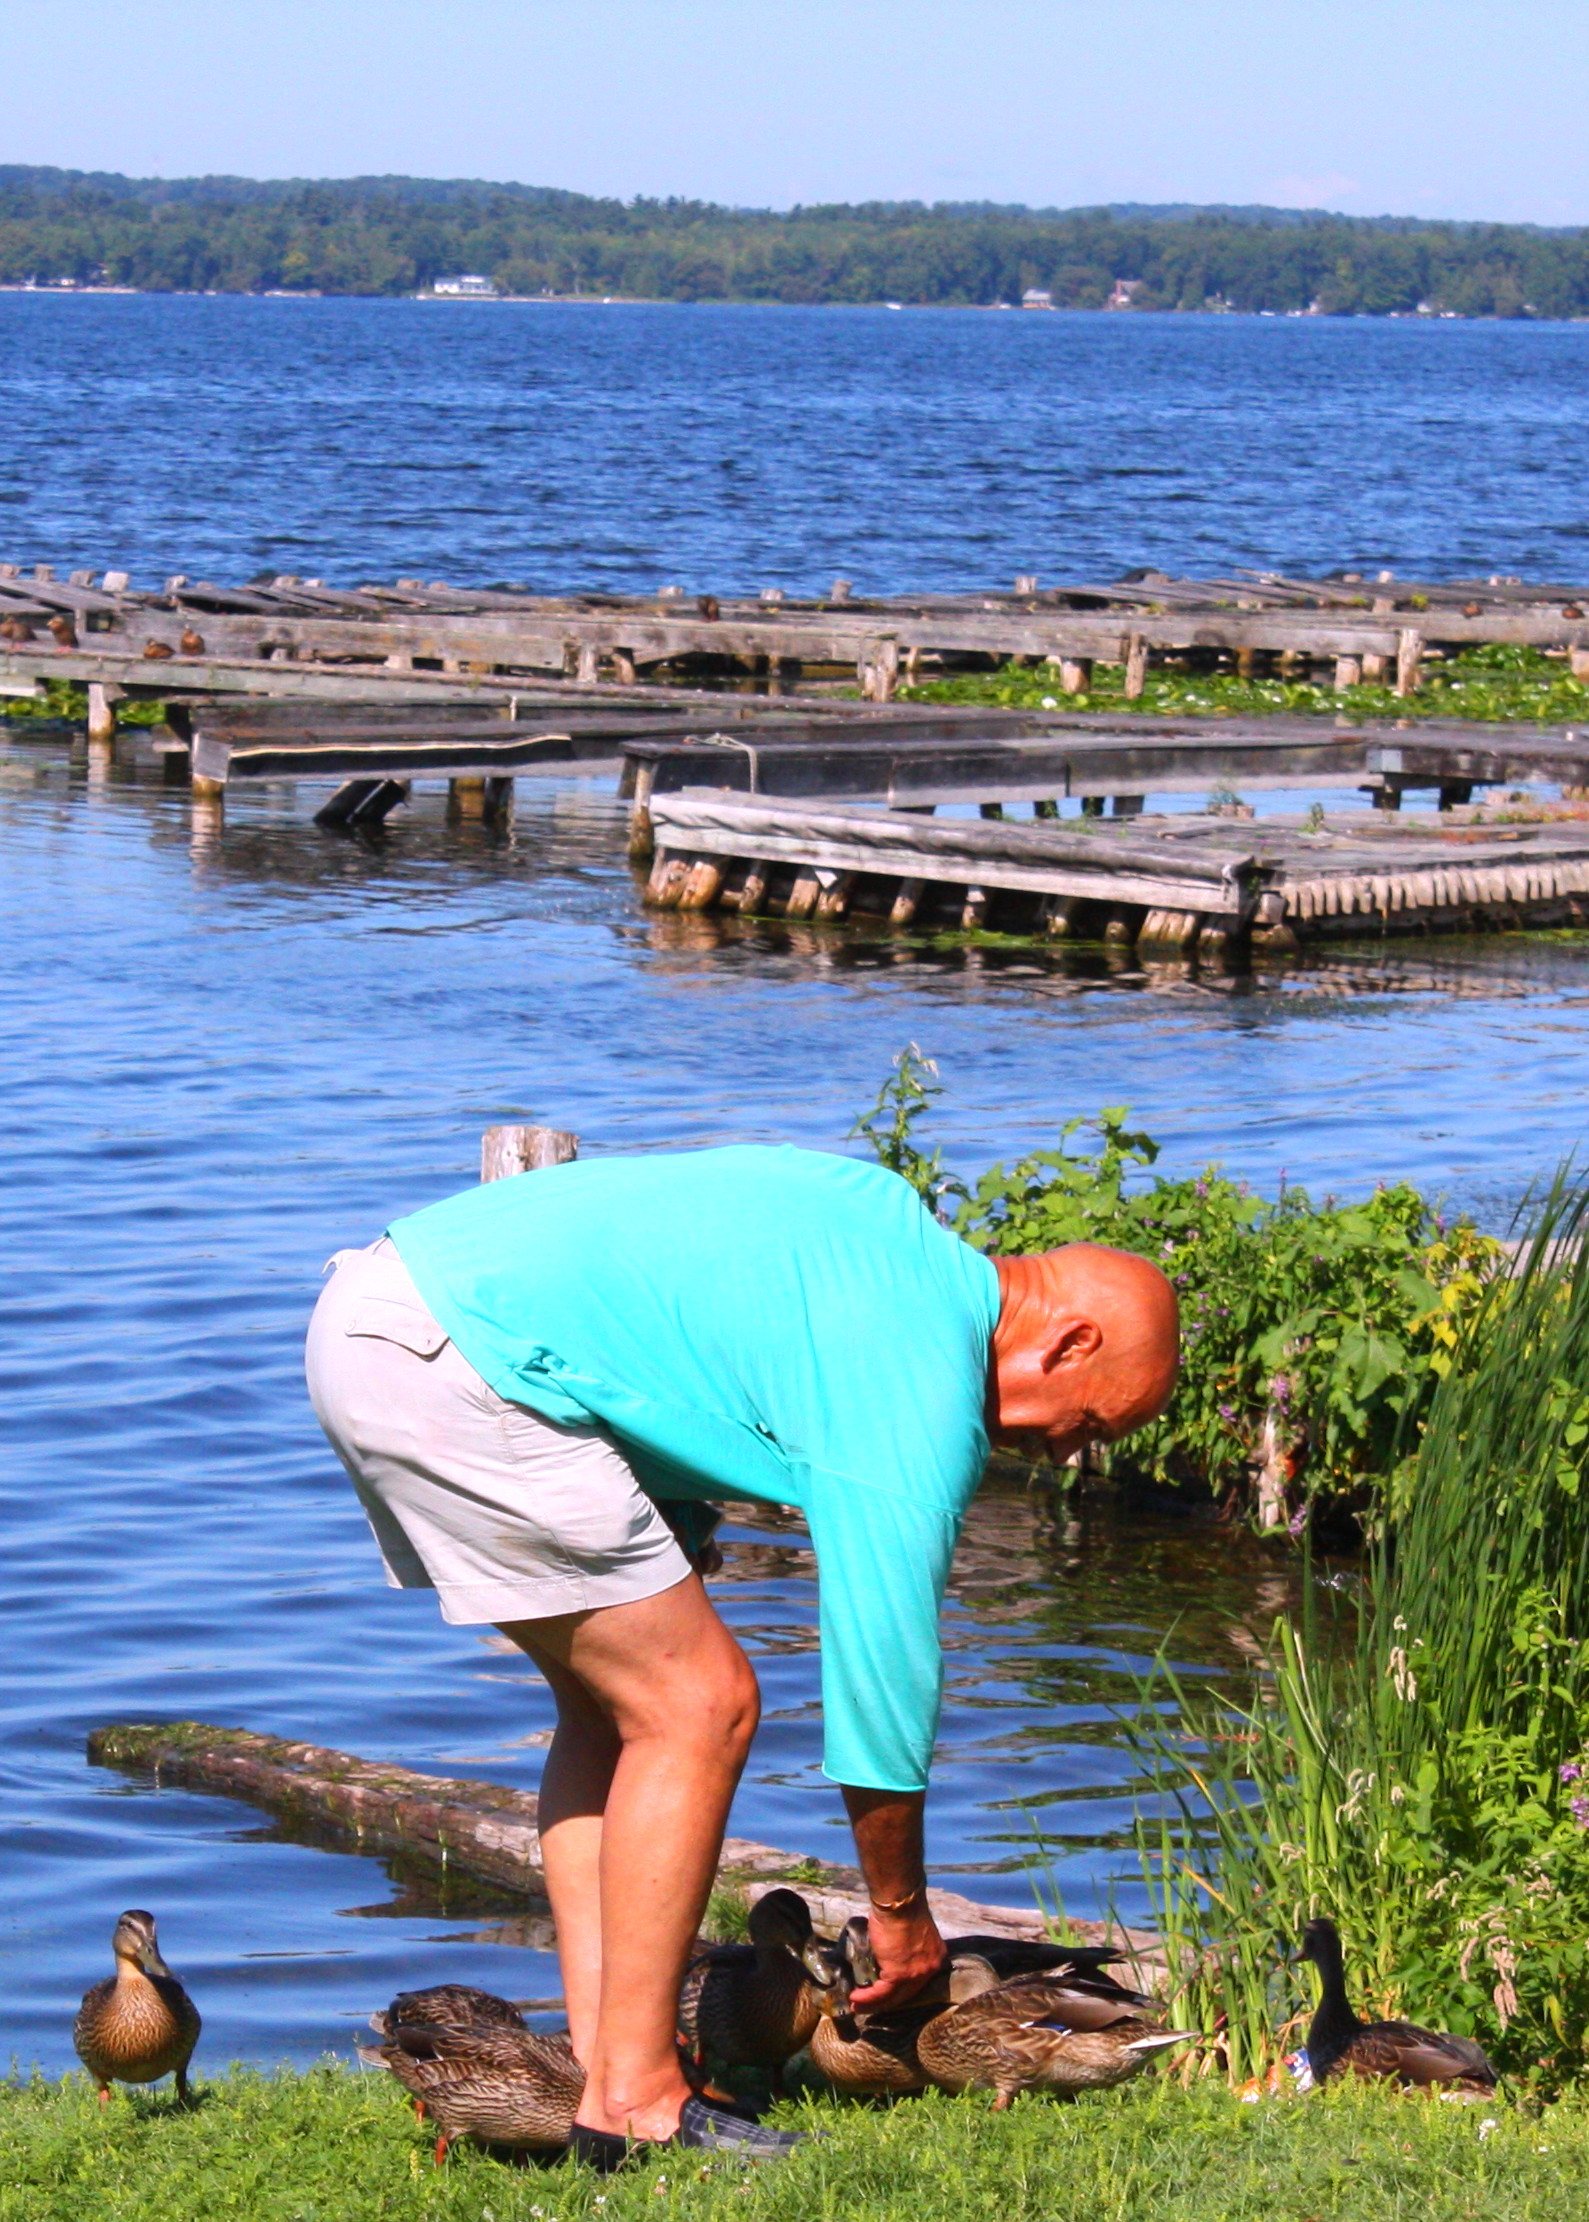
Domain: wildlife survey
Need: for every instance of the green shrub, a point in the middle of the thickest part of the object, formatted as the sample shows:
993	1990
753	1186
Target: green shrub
1313	1336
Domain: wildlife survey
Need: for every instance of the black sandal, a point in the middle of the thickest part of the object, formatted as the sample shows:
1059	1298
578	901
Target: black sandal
702	2128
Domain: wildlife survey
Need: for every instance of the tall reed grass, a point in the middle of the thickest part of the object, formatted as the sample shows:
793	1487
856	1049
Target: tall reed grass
1415	1763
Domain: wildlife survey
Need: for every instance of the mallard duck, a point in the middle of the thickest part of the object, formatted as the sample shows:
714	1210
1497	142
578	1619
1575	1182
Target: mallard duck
866	2055
1340	2044
189	642
138	2024
157	651
503	2085
453	2007
754	2005
1037	2033
62	631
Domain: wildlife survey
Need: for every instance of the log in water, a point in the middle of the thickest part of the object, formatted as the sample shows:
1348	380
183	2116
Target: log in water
483	1829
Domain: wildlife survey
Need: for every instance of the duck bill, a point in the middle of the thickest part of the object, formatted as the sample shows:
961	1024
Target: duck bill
151	1960
1165	2037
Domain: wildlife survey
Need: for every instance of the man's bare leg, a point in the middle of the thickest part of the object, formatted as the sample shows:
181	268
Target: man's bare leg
573	1797
681	1699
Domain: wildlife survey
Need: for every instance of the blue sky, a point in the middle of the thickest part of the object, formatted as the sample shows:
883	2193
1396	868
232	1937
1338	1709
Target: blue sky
1467	108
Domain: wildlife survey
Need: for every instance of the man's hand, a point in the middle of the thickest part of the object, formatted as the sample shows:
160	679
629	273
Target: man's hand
909	1953
905	1941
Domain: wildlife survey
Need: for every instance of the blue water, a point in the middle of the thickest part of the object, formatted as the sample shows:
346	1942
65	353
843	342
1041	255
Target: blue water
226	1054
736	447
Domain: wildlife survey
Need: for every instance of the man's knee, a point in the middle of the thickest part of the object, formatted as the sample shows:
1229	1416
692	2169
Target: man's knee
715	1709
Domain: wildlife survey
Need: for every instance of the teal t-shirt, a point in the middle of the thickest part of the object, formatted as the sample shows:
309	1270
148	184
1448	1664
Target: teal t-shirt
751	1322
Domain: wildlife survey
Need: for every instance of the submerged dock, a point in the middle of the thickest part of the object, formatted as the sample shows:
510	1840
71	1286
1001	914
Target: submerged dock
1179	883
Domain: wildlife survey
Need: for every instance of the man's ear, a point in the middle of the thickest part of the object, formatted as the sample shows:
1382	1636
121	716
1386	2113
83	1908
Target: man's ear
1080	1340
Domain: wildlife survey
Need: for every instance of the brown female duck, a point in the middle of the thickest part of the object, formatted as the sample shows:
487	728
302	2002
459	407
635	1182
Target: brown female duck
868	2055
457	2008
503	2085
1052	2033
138	2024
755	2005
1340	2044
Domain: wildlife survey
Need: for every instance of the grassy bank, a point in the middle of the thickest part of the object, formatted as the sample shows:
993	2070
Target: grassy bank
1493	683
334	2146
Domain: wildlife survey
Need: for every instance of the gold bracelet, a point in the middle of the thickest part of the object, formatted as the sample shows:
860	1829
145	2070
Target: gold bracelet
898	1905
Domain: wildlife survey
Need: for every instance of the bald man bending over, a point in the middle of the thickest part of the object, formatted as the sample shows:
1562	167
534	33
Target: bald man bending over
539	1387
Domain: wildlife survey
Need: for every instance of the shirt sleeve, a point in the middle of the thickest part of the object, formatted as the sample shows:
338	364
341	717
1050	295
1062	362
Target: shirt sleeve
882	1566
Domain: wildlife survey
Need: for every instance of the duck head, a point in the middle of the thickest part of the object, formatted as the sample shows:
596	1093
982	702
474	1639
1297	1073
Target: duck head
135	1941
781	1922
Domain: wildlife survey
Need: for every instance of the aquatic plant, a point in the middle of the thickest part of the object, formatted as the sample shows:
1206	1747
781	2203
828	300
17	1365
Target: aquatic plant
1495	683
1424	1777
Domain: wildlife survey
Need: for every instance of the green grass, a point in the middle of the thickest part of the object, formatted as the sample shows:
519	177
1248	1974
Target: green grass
1505	684
332	2146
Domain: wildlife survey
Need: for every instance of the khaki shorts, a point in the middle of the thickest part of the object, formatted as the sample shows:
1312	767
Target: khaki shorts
506	1515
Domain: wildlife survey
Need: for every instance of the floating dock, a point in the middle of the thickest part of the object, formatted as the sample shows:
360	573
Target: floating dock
1180	883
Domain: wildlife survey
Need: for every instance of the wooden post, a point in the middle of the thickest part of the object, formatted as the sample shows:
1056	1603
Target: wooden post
833	903
974	910
506	1150
703	884
1246	663
642	838
102	711
666	884
1169	929
804	895
1121	924
1058	914
1136	667
1373	671
1387	797
623	667
1075	674
1409	655
906	902
1578	662
877	670
1348	673
466	798
841	591
499	799
753	894
588	664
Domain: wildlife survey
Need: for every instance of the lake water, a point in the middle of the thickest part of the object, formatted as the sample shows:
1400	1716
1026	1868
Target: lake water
224	1058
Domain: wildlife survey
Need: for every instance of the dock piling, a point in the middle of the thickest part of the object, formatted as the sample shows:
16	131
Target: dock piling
506	1150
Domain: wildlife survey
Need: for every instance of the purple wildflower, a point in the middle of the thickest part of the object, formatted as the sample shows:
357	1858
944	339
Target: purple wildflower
1580	1812
1571	1771
1228	1412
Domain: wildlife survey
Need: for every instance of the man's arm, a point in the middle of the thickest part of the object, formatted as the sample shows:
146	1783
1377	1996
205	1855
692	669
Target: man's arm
905	1939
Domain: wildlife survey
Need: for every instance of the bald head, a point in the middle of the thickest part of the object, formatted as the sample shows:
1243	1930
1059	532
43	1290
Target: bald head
1086	1348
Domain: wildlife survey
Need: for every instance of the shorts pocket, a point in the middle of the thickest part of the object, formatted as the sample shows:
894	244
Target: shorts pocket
389	1321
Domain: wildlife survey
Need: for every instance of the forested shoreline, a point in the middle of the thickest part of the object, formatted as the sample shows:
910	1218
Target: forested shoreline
392	236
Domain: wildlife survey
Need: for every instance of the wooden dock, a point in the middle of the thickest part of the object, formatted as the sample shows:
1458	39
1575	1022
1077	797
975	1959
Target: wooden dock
1341	630
1184	883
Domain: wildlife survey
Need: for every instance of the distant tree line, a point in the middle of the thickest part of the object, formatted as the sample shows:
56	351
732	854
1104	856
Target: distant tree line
398	235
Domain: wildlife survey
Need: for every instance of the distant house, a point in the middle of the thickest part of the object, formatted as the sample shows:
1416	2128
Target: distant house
1124	294
470	287
1036	298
